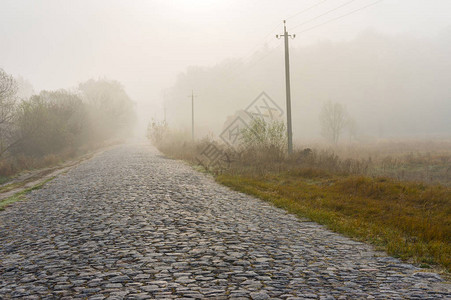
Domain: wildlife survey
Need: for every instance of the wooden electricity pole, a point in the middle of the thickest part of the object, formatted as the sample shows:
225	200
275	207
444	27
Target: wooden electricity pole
287	85
192	115
164	111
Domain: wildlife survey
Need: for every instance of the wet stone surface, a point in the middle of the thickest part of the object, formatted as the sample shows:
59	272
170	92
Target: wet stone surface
130	224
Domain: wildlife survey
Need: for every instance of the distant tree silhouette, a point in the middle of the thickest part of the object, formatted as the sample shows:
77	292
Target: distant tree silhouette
333	119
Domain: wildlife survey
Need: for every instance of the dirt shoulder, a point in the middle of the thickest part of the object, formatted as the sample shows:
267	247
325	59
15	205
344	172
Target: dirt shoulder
28	179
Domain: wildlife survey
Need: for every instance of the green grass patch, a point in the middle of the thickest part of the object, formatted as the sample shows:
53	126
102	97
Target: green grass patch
4	179
11	186
5	202
408	220
21	195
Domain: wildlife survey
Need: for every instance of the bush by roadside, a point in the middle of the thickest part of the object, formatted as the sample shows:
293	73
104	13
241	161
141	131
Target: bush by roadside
52	126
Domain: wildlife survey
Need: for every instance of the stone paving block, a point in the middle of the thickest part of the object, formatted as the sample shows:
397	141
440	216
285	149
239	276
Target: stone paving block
131	224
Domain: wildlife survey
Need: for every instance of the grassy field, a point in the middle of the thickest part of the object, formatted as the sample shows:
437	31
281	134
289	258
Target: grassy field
408	220
395	195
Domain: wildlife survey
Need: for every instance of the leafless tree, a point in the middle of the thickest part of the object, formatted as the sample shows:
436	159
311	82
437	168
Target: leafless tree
333	119
352	129
8	99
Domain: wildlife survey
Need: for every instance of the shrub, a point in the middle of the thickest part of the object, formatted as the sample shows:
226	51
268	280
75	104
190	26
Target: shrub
264	140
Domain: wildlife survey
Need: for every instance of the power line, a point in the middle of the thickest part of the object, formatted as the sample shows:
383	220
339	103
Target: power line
339	17
305	10
262	41
243	69
266	43
247	57
265	38
323	14
253	64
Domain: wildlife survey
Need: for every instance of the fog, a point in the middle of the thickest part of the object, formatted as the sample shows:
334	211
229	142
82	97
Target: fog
392	86
387	62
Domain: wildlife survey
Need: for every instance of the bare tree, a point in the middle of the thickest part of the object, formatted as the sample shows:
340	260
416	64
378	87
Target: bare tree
352	129
333	119
24	88
8	99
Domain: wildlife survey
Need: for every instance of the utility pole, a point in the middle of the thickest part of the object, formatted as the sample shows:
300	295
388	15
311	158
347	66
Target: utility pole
287	84
192	115
164	112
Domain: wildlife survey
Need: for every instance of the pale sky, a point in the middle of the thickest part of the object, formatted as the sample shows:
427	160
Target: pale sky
145	44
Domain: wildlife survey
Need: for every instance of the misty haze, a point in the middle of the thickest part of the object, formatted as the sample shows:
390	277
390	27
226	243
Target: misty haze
219	149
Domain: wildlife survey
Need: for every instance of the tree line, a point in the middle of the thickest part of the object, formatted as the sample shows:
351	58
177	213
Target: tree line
52	122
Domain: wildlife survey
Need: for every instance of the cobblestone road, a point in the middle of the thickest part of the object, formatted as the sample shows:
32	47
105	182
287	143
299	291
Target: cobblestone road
132	224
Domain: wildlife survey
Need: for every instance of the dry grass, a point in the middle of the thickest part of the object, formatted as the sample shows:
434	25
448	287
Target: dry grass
408	220
408	160
371	194
12	165
21	195
414	161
